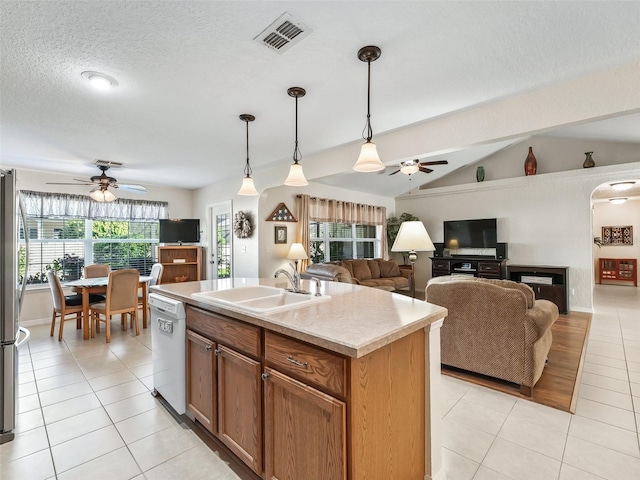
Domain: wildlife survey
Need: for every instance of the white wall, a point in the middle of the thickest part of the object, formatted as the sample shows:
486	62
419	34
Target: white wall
607	214
545	219
37	304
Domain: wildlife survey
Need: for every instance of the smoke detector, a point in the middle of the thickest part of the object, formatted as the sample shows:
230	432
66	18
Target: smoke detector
283	33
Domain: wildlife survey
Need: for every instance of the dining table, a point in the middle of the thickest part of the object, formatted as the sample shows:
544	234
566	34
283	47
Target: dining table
98	285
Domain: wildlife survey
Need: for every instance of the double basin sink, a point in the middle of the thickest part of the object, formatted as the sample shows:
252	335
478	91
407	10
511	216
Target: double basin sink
259	298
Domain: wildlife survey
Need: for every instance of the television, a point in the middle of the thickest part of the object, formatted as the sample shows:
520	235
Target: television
179	230
481	233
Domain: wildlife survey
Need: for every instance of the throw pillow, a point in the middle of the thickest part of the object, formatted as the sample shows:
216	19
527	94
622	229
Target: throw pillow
389	268
375	268
361	269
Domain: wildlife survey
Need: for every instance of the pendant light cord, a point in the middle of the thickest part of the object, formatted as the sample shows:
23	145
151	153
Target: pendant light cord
296	151
367	127
247	168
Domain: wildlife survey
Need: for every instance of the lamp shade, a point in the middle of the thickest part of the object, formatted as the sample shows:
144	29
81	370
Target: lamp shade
297	252
412	236
100	195
296	176
247	188
369	161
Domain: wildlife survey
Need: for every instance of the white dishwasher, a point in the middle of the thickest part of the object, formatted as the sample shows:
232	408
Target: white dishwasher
168	334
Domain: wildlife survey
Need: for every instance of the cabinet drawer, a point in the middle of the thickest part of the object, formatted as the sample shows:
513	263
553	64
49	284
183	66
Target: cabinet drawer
241	336
488	267
306	361
441	265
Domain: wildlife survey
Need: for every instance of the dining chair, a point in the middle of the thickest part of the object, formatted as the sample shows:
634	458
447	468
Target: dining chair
64	305
156	278
122	299
96	270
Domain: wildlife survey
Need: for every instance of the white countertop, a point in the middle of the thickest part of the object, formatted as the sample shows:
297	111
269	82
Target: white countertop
354	322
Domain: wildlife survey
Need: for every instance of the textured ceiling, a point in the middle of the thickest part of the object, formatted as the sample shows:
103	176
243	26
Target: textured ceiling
187	69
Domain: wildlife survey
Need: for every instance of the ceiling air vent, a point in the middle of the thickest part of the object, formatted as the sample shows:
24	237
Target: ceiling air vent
107	163
283	34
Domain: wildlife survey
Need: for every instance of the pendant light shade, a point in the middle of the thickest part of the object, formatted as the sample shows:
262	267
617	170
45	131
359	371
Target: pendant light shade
102	195
296	175
369	161
247	188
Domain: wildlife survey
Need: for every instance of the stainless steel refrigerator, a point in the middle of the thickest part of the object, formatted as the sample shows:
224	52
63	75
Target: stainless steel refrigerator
13	279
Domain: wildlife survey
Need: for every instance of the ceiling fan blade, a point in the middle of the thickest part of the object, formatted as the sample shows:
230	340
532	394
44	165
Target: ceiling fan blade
77	184
435	162
425	170
130	188
394	172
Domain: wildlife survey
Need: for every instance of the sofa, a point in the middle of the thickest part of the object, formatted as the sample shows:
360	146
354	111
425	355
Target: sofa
494	327
376	273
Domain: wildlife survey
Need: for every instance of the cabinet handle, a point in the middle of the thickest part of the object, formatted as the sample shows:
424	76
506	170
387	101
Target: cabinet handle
265	377
290	359
207	348
217	351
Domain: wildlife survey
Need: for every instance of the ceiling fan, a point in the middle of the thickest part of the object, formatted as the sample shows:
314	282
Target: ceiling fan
409	167
102	183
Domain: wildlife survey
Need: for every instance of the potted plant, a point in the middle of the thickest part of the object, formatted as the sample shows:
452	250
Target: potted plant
393	227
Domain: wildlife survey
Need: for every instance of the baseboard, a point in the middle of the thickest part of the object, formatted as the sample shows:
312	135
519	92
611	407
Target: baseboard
581	309
35	322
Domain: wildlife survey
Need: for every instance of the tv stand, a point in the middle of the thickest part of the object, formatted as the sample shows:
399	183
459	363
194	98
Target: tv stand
472	265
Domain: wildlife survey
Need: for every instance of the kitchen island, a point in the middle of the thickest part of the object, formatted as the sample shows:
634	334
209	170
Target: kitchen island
345	388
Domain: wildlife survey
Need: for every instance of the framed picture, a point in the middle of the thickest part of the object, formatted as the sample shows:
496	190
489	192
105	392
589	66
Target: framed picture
280	234
617	235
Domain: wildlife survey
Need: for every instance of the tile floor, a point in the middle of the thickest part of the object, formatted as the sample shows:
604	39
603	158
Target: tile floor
85	412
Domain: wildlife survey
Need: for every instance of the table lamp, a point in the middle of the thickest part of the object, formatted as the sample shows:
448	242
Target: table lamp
412	237
297	252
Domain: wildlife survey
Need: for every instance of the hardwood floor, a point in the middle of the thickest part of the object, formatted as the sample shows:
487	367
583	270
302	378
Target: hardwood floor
558	384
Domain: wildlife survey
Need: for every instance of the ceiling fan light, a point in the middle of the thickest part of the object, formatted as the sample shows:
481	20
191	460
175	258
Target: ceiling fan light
617	201
247	188
369	161
100	195
409	169
619	186
296	177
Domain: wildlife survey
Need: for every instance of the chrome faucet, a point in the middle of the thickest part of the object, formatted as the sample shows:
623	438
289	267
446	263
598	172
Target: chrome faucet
317	280
294	280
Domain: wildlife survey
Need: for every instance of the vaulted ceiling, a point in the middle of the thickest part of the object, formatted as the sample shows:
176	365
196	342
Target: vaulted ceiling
186	70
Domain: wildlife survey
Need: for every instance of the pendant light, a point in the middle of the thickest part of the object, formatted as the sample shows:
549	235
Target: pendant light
369	161
247	188
296	175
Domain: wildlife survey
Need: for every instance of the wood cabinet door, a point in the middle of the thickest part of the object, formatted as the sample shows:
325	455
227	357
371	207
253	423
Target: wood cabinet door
305	431
239	406
201	386
552	293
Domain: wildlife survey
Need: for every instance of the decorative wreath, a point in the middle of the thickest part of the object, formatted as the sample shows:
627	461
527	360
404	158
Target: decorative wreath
242	225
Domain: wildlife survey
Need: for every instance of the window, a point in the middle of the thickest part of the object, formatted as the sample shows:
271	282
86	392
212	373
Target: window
339	241
65	246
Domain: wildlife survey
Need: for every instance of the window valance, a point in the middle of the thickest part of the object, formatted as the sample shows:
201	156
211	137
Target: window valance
338	211
64	205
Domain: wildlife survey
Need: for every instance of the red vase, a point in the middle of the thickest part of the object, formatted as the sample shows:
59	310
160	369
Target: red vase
530	164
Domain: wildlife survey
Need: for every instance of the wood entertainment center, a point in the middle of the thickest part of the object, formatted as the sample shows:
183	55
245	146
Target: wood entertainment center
483	267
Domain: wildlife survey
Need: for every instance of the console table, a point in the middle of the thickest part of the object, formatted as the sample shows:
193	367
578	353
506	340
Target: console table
622	269
548	282
474	266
